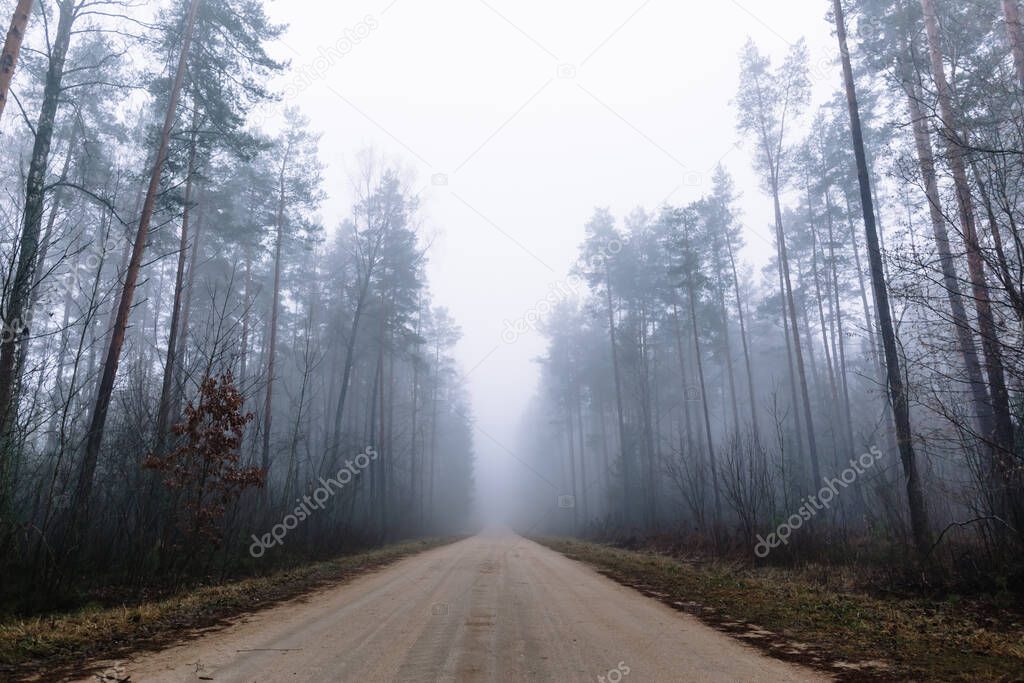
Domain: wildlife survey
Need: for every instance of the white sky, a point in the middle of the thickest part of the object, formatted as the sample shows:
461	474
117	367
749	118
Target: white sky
471	89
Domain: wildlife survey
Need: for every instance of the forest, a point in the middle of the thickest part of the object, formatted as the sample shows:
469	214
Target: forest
219	391
188	354
689	394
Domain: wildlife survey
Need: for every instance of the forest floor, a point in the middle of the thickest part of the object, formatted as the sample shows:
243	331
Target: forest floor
818	616
52	647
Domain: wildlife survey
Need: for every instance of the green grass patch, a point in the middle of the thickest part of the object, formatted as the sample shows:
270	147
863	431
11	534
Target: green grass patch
57	644
819	616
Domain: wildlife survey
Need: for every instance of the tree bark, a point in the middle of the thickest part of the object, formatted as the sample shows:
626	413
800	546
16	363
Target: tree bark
243	351
431	477
897	391
346	374
726	337
585	485
94	438
572	446
186	307
1002	437
627	518
17	313
650	496
801	372
950	277
687	421
163	417
692	296
743	338
40	269
1016	34
12	48
268	403
837	310
350	347
793	396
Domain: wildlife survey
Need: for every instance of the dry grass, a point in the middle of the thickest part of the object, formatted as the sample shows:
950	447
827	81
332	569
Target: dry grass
819	617
58	644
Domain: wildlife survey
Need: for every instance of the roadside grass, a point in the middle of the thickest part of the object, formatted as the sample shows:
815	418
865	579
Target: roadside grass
59	644
818	616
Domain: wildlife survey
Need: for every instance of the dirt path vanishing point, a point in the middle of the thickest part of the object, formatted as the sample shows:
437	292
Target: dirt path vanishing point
489	608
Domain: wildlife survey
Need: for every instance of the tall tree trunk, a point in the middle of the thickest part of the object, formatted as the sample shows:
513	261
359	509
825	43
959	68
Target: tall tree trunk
17	313
268	403
12	48
793	381
388	466
585	485
374	473
572	456
692	296
627	518
828	343
298	432
743	338
837	313
431	477
816	275
605	456
812	443
346	373
415	466
40	269
1004	467
1003	273
378	467
94	437
1016	34
650	496
687	422
869	323
815	383
243	352
163	417
950	278
726	341
897	391
1002	437
186	307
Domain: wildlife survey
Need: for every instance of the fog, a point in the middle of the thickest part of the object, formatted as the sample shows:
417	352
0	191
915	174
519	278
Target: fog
609	270
436	308
534	113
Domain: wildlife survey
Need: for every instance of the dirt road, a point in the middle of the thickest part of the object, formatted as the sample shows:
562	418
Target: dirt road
490	608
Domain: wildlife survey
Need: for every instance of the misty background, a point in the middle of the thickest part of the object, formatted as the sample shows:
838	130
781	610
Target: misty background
532	113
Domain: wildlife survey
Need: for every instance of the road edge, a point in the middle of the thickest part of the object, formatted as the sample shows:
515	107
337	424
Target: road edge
79	643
